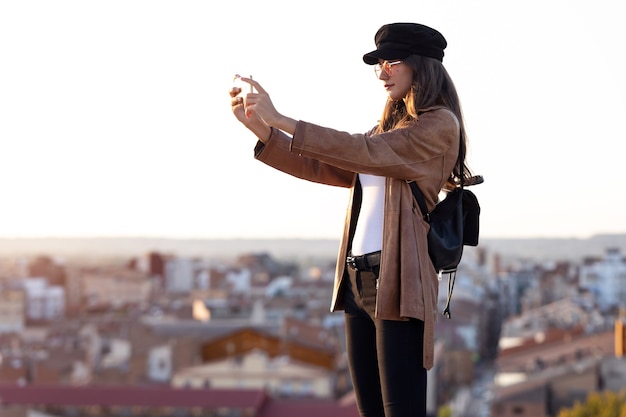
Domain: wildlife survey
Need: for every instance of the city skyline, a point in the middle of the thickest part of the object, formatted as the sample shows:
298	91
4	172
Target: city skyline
116	117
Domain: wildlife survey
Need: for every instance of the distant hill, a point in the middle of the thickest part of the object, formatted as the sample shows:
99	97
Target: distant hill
295	249
556	248
130	246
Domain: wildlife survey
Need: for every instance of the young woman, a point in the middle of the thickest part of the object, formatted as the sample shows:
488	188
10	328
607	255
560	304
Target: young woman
385	281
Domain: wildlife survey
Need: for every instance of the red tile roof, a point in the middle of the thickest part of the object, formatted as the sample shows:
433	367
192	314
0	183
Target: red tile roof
257	400
63	395
306	408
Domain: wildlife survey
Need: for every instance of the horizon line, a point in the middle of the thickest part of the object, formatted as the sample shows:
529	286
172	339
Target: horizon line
173	237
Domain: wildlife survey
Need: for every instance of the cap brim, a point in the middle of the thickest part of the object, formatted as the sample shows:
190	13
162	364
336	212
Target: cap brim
384	53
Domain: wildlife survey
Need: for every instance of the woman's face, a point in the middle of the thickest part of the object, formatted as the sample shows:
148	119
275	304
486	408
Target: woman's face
397	78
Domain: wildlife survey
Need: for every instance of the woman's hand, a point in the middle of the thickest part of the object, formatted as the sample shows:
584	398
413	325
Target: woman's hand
260	105
261	129
237	103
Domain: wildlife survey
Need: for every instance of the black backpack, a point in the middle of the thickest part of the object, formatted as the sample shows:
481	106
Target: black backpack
454	223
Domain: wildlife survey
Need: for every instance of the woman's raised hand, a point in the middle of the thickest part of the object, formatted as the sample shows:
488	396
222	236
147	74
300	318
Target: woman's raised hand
246	116
259	103
254	107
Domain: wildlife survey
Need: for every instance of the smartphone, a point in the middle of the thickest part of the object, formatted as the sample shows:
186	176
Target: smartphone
238	85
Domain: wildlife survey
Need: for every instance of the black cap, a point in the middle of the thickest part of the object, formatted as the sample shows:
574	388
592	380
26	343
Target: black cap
399	40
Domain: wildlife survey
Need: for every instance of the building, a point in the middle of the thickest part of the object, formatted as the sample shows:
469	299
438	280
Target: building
115	288
286	365
553	369
12	308
606	279
138	401
281	376
44	302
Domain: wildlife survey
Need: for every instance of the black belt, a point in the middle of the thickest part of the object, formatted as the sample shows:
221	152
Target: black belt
364	262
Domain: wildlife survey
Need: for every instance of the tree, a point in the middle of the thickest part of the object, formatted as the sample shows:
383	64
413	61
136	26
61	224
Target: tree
602	404
444	411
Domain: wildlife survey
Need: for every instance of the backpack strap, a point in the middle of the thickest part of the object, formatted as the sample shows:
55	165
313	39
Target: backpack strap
419	197
421	201
451	281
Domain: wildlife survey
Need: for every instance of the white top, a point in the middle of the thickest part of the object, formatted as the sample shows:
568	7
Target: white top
368	236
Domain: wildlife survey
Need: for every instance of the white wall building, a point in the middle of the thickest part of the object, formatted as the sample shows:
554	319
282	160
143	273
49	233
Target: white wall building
12	307
240	281
43	302
180	275
160	363
112	289
606	279
256	370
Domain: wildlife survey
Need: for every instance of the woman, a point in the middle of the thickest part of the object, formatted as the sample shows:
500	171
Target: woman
385	281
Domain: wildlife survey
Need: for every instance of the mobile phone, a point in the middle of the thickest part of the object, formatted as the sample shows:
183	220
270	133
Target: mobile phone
239	85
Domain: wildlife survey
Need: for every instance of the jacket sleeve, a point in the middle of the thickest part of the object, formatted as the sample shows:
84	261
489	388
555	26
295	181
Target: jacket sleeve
421	151
278	153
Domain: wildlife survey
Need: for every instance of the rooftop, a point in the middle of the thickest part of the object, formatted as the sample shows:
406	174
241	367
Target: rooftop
256	401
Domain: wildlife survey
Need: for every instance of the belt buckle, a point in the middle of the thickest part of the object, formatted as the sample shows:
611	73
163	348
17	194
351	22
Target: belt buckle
351	261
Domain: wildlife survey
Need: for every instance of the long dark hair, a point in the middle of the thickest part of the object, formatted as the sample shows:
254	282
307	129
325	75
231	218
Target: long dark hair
432	86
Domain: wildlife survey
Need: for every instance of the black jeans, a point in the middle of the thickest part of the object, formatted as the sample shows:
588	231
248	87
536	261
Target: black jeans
385	356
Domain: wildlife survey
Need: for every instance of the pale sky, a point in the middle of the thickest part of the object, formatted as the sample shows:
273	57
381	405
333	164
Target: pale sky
115	117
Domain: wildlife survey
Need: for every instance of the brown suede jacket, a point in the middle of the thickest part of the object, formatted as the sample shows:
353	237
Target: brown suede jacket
425	152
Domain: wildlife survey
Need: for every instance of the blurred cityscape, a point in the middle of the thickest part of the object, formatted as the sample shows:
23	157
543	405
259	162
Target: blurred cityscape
166	333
